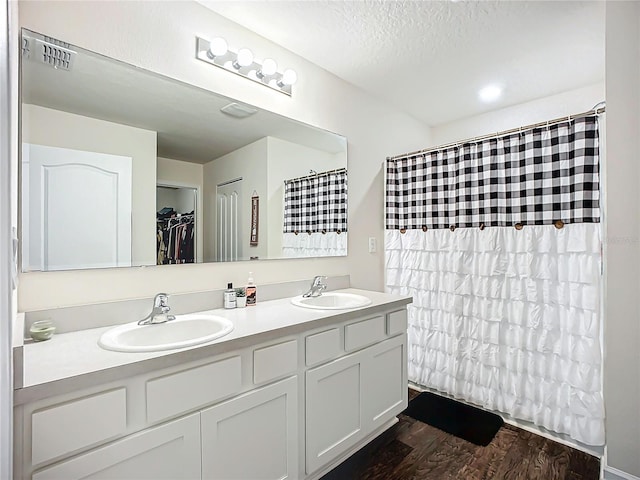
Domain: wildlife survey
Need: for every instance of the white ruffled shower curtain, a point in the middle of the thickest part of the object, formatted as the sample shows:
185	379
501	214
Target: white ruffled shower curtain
505	318
329	244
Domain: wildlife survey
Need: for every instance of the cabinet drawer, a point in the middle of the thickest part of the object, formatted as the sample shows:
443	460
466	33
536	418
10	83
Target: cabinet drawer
169	451
322	346
397	322
183	391
62	429
361	334
275	361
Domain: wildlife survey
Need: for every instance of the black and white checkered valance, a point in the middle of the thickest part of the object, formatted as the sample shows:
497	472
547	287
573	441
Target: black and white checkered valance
533	177
317	203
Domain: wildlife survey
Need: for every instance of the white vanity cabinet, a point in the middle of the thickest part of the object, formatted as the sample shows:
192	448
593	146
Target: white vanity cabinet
291	407
349	398
231	416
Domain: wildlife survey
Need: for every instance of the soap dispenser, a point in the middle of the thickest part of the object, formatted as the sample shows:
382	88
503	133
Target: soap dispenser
251	290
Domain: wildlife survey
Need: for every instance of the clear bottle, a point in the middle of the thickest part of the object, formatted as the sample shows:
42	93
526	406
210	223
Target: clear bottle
251	290
229	296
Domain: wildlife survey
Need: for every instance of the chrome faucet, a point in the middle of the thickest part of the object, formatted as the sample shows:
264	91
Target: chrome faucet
317	286
160	310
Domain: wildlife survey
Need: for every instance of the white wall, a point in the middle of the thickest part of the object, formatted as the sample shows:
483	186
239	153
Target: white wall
185	174
250	164
622	241
288	160
160	36
177	172
540	110
44	126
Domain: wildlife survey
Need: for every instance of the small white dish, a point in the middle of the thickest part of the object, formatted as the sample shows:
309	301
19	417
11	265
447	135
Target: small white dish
42	330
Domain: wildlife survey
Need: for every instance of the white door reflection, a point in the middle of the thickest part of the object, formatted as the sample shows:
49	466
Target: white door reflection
76	209
229	246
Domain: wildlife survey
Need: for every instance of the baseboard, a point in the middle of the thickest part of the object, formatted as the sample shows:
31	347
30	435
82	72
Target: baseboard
596	451
611	473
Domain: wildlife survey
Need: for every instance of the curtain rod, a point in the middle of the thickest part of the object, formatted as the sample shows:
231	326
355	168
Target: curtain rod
594	111
328	172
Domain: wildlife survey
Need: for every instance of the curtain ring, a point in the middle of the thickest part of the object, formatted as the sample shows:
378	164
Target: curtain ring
324	231
482	226
338	231
424	228
403	230
519	226
452	228
309	232
558	224
295	232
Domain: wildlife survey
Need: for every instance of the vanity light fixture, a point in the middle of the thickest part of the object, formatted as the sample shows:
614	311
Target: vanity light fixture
216	52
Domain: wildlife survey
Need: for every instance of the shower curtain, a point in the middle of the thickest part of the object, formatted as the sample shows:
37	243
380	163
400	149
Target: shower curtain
315	215
499	244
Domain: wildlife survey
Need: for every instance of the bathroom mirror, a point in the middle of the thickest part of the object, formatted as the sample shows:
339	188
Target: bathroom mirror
124	167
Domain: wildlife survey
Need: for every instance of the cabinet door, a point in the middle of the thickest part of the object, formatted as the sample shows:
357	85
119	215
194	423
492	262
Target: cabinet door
384	383
334	409
253	436
351	397
171	451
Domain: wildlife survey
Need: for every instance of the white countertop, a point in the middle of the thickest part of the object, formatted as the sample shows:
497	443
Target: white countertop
74	360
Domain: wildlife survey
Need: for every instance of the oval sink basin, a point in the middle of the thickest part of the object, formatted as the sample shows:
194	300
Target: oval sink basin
332	301
184	331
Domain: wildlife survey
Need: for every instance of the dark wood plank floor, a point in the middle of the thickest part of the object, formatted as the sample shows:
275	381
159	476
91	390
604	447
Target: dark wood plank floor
414	450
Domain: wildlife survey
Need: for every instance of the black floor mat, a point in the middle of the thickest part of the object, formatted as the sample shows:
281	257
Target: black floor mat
469	423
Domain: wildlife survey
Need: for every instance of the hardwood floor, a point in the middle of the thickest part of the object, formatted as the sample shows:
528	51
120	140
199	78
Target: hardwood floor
414	450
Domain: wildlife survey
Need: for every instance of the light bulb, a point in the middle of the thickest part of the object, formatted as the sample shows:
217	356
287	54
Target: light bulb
289	77
218	47
269	67
244	58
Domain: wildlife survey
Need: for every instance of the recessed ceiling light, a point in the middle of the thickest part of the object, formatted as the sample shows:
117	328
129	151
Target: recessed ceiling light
490	93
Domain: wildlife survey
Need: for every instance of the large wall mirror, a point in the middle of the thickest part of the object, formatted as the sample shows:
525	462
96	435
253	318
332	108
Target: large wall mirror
123	167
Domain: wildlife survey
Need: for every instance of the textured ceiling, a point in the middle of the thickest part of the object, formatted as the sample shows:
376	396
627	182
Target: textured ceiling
430	58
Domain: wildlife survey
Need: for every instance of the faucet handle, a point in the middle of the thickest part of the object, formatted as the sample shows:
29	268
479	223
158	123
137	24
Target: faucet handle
161	300
318	280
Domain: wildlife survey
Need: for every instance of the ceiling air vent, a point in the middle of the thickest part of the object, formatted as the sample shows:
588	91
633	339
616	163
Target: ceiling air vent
49	51
238	110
